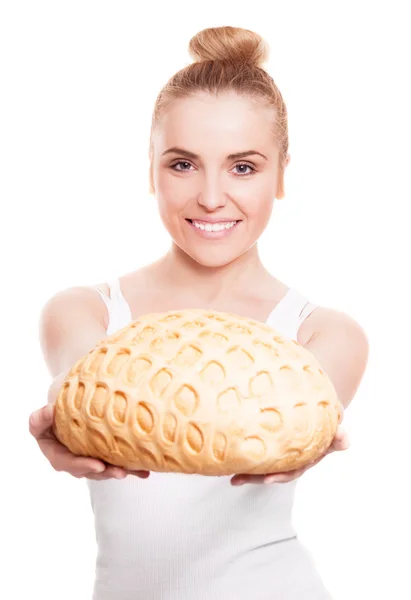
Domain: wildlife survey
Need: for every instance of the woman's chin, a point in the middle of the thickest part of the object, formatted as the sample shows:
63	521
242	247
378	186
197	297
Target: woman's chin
214	257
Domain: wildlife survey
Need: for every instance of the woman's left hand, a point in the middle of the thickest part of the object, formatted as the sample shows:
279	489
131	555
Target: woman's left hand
340	442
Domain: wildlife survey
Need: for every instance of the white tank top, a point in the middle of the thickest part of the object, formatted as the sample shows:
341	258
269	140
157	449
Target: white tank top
189	537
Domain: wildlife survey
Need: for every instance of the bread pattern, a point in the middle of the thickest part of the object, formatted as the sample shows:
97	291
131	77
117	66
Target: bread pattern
198	391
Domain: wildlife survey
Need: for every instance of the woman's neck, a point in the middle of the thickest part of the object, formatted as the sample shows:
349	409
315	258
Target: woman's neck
178	270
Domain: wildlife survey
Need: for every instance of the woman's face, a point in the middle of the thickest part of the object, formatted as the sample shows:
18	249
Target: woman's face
197	182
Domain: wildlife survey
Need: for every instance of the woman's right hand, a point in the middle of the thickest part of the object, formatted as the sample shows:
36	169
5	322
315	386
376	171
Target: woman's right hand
60	457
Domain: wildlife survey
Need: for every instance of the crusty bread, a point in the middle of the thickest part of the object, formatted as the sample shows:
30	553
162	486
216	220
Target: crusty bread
198	391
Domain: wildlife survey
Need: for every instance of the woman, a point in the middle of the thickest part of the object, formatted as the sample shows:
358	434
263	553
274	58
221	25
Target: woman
218	154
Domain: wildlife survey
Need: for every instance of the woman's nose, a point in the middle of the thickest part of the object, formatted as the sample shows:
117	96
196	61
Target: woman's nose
212	196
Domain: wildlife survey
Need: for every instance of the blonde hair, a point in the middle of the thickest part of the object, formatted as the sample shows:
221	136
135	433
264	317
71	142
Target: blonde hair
227	59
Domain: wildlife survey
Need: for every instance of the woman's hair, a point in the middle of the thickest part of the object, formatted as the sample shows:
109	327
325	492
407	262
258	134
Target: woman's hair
227	59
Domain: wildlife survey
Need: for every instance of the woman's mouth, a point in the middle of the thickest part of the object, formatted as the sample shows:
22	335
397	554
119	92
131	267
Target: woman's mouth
213	231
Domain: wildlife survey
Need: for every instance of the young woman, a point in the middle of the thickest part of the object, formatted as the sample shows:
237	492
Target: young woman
218	152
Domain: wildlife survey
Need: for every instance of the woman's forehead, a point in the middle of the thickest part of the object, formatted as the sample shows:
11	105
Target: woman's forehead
193	122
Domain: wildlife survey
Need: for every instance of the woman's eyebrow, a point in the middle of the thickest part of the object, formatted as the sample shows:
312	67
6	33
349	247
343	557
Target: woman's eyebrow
194	156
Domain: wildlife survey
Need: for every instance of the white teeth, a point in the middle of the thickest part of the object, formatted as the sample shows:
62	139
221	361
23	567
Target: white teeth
214	226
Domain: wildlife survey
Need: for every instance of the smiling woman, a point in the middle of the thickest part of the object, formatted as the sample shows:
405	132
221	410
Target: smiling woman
218	155
215	185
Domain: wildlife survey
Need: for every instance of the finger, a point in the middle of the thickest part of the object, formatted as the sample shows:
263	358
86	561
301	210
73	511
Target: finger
41	420
270	478
109	472
340	433
285	477
341	441
62	459
241	479
116	473
141	474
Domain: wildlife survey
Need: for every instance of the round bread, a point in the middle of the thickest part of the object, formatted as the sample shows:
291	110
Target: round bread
198	391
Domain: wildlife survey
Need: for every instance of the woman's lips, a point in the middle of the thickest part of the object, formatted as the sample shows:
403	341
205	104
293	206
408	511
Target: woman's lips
213	235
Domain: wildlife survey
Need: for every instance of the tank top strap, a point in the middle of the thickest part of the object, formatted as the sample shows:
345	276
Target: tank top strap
290	313
119	313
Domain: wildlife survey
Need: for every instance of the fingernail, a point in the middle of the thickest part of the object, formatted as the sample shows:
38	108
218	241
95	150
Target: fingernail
238	482
99	468
271	479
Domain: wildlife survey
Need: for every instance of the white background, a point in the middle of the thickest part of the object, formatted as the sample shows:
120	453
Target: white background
79	80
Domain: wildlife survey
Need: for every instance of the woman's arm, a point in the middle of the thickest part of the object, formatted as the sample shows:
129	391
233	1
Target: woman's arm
341	347
71	323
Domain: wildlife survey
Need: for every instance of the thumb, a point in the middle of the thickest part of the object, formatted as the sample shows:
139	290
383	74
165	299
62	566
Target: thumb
341	440
41	420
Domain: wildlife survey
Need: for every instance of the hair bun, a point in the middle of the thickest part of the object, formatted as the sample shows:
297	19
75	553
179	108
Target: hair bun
229	43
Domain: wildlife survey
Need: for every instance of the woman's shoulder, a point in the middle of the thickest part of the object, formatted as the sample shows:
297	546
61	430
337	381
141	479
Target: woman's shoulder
329	321
125	281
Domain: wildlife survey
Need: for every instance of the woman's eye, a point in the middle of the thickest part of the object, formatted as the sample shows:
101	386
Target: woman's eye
241	165
246	166
180	162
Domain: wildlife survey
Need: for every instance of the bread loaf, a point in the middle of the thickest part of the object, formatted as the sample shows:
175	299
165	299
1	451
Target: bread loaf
198	391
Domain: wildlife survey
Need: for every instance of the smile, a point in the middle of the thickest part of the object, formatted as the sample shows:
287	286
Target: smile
213	226
213	230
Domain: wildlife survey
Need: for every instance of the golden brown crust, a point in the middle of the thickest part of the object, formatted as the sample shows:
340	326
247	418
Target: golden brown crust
198	391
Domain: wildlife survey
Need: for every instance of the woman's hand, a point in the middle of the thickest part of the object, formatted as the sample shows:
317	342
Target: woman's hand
60	457
340	442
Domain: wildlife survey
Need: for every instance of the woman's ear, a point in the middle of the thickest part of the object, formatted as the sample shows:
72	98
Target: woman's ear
280	185
287	161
